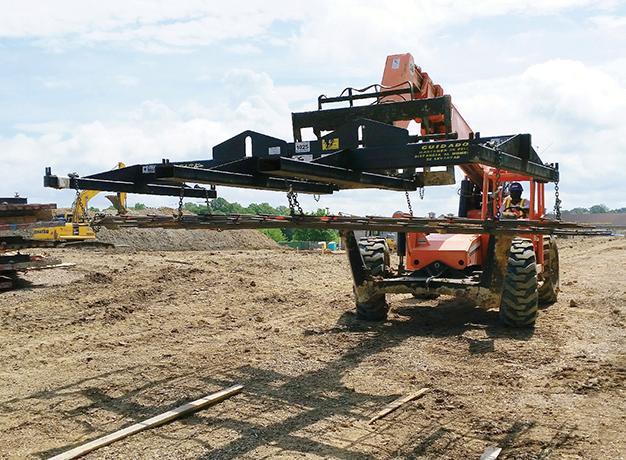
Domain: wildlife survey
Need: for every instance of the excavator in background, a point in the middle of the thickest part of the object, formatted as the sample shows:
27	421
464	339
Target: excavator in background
74	227
481	255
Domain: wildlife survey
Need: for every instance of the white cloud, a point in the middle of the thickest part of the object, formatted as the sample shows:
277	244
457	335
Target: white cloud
152	131
126	80
572	111
142	24
361	27
54	83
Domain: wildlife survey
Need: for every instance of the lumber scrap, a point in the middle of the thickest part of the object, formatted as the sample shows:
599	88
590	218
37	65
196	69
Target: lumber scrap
47	267
392	406
152	422
491	453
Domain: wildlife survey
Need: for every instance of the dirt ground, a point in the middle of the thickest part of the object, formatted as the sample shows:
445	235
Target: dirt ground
126	335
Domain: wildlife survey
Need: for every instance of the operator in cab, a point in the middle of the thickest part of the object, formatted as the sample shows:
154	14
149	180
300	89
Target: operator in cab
514	206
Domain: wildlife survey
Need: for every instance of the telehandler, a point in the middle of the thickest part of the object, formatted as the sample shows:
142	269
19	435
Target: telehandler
510	264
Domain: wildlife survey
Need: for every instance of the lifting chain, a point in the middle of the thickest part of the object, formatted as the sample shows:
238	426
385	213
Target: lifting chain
557	201
179	215
421	192
408	202
294	205
497	184
316	197
209	208
78	203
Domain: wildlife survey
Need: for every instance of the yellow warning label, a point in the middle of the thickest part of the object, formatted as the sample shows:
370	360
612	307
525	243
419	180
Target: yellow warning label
330	144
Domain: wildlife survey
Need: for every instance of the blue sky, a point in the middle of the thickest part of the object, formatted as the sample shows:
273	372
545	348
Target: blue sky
86	84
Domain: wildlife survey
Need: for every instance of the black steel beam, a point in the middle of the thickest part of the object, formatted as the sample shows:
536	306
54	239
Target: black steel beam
362	95
438	153
331	119
490	156
343	177
217	177
83	183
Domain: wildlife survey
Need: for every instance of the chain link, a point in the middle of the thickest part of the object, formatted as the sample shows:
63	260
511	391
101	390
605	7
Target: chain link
421	192
294	205
180	202
557	201
78	202
497	184
84	212
408	202
209	207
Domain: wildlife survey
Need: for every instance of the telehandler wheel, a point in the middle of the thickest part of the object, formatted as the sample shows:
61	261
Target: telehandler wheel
549	286
375	253
518	307
375	309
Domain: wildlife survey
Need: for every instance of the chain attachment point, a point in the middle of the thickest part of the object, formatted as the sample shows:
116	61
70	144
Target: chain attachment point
408	202
294	205
180	202
557	201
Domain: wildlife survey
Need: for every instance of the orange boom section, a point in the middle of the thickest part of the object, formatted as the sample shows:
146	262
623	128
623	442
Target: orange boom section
400	70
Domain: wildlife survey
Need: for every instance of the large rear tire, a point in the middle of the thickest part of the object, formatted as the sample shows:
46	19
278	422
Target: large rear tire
550	284
519	306
375	253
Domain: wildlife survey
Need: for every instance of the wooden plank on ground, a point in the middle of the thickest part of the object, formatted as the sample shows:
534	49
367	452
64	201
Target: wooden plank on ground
397	404
161	419
46	267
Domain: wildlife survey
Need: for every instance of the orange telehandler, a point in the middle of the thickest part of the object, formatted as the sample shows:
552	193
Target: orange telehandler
447	263
510	264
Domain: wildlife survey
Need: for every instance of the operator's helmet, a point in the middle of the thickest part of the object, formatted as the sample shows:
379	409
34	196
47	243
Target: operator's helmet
516	187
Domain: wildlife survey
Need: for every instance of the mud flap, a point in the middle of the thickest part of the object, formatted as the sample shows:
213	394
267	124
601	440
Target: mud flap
492	281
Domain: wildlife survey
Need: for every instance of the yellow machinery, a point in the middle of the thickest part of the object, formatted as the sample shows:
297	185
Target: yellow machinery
75	226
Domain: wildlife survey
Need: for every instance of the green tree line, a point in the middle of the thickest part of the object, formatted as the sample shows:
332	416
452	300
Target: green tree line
223	206
595	209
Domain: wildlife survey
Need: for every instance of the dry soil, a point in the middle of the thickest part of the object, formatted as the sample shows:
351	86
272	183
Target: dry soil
125	335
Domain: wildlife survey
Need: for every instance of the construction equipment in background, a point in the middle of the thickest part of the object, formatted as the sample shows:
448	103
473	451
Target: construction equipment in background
498	263
17	215
74	228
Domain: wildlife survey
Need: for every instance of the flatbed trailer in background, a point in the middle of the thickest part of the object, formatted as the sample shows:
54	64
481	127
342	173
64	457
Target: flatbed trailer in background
17	215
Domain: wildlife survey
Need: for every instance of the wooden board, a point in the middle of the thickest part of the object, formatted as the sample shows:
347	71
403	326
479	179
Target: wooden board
166	417
398	403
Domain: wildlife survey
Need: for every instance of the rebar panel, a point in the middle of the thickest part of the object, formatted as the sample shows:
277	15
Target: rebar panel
372	223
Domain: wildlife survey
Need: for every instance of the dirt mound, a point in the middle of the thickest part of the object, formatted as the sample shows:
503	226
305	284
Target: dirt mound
167	239
160	239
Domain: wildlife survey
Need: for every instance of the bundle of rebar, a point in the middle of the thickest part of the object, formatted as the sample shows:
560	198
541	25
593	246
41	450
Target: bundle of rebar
370	223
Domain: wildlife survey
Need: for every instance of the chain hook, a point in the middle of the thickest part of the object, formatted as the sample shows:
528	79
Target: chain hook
180	202
294	205
408	202
209	208
497	183
557	201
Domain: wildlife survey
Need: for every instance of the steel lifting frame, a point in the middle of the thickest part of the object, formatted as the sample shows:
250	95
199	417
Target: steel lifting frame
362	150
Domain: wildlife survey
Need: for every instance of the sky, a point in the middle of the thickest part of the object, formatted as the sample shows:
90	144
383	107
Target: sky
85	84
